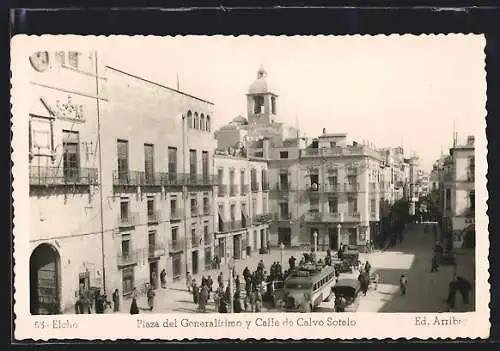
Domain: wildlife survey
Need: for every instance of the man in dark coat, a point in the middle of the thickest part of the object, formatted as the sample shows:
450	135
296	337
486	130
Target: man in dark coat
464	287
434	264
116	301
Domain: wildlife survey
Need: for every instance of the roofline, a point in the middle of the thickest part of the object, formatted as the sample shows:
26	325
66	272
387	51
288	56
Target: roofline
158	84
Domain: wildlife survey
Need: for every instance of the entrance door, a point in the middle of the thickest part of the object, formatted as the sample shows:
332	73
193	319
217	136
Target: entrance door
176	266
237	247
194	256
153	274
285	236
263	243
44	280
222	250
333	239
353	236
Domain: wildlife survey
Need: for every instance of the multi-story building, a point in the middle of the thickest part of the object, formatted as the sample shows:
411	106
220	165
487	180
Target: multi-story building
459	192
119	168
242	221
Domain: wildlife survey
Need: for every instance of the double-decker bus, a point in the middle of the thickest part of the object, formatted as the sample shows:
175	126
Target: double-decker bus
308	286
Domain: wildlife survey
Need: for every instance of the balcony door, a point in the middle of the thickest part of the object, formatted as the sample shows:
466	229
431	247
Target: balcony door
122	153
71	156
149	163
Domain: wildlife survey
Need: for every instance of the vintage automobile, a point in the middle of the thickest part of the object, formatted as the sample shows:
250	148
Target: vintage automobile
351	256
308	286
346	293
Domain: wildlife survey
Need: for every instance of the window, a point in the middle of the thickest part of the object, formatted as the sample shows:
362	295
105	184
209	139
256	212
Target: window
258	104
220	176
194	208
206	235
149	163
196	121
352	205
332	180
124	210
314	205
254	206
190	119
283	181
71	157
151	207
242	182
372	206
264	179
206	206
233	213
173	208
126	248
172	162
283	154
314	182
472	200
73	57
193	236
273	105
333	144
152	242
202	122
192	163
175	233
333	205
264	205
122	146
208	124
352	179
284	210
448	199
204	166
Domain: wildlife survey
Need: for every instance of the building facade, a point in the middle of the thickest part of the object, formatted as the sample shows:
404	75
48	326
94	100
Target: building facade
241	199
121	180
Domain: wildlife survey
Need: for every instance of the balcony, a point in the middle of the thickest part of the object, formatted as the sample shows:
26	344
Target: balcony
230	226
192	179
127	221
127	178
222	190
351	188
127	259
265	185
173	179
233	190
313	216
282	187
282	216
351	217
195	241
155	250
154	217
60	176
332	188
244	189
175	246
152	179
335	217
255	186
176	214
263	218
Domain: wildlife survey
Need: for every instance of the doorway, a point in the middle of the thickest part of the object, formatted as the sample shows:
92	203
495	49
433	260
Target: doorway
44	280
263	243
285	236
153	274
237	247
333	240
194	259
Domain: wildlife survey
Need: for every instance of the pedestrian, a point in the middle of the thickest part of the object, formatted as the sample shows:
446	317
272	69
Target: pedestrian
237	282
376	279
220	278
464	286
291	263
237	302
133	306
403	282
203	298
219	293
268	244
196	292
189	282
210	283
163	278
368	267
217	262
151	297
434	264
116	301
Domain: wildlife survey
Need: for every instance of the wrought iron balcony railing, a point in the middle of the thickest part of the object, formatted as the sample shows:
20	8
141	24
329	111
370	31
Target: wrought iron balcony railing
279	216
332	188
255	186
176	245
128	178
283	187
154	217
195	241
351	188
173	179
152	178
176	214
41	175
127	221
265	185
263	218
229	226
200	180
222	190
313	216
156	250
127	258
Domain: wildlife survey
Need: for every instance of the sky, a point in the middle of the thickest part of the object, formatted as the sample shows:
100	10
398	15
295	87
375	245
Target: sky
390	90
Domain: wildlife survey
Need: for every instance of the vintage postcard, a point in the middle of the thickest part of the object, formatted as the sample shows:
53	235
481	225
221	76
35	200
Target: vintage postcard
208	187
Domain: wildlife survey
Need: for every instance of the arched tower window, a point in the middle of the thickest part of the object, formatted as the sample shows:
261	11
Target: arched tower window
258	104
196	121
189	119
273	105
202	122
208	124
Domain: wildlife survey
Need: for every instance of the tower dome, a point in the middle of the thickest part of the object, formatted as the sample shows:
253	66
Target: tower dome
260	85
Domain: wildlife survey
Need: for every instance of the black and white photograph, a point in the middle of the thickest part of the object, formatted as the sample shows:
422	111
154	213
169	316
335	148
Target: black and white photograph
214	176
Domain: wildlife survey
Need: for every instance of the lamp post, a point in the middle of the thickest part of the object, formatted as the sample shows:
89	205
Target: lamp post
282	248
315	235
338	236
231	278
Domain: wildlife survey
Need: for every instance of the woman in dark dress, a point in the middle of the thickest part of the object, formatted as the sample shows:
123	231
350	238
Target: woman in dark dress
133	307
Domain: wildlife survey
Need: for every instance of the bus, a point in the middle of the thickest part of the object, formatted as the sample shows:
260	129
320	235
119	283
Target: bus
308	286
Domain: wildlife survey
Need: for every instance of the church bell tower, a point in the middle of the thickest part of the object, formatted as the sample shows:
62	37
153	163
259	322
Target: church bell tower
261	101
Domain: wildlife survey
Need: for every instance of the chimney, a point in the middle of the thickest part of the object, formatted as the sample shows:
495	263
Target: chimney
324	131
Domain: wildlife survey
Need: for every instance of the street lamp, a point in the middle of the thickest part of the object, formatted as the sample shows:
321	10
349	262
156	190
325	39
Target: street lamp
282	247
315	235
338	236
231	278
